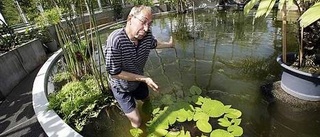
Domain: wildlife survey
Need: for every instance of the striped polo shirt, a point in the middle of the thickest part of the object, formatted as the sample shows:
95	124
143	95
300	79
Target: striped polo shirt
122	55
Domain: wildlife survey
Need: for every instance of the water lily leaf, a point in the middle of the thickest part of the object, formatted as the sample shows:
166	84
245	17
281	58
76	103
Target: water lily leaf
171	118
155	111
167	99
136	132
204	126
201	116
220	133
160	132
227	106
188	99
236	121
184	134
194	90
233	113
173	134
235	130
224	122
213	108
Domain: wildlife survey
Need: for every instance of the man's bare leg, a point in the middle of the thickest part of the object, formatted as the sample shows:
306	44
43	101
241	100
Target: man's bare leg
134	118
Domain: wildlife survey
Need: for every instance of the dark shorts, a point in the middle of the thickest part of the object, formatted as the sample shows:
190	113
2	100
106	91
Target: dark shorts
126	100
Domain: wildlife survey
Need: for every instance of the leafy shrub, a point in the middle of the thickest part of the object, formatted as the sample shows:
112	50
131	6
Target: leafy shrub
79	102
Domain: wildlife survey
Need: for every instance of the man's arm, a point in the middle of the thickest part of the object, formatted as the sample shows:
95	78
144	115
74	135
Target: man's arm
168	44
135	77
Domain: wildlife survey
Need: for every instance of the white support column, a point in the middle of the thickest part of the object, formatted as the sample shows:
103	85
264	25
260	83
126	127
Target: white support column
99	4
21	12
1	18
123	3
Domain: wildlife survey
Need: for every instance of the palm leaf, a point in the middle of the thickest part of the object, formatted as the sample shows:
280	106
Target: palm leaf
264	7
249	6
310	16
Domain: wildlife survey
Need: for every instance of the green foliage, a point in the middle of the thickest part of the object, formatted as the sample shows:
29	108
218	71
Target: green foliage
310	16
117	9
49	17
10	12
136	132
63	76
198	111
79	102
141	2
7	37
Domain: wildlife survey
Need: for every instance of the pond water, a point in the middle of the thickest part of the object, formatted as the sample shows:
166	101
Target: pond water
230	59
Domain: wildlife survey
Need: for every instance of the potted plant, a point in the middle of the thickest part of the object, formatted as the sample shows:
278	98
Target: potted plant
46	38
300	76
44	22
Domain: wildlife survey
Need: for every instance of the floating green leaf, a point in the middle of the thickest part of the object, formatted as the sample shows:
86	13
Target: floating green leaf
155	111
173	134
213	108
233	113
136	132
224	122
167	100
181	110
236	121
235	130
184	134
220	133
194	90
204	126
201	116
160	132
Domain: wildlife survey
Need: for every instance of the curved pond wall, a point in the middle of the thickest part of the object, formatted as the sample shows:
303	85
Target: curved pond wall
51	123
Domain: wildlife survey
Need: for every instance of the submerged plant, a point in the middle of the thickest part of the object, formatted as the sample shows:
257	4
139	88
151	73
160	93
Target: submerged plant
174	118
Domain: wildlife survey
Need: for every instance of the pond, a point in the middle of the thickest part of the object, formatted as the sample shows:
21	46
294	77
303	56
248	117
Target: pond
231	59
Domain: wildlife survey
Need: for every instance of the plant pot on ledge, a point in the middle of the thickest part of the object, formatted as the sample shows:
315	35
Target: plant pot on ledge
52	46
297	83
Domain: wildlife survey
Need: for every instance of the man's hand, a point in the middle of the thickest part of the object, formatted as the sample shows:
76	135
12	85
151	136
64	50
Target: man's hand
151	84
135	77
168	44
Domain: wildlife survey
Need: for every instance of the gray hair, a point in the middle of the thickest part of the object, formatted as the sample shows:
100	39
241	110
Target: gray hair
137	9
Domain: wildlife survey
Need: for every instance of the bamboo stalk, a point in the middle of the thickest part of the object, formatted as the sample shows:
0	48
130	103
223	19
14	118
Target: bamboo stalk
284	33
301	48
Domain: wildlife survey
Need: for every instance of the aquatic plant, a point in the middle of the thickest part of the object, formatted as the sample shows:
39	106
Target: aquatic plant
173	119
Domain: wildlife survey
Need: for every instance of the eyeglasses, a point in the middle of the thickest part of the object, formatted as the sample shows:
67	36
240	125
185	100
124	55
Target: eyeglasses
144	22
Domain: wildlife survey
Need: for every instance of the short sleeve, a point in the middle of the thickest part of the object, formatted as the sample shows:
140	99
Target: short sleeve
151	39
113	56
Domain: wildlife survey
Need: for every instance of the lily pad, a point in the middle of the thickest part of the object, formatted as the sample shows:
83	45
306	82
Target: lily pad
194	90
224	122
136	132
213	108
204	126
233	113
236	121
201	116
220	133
235	130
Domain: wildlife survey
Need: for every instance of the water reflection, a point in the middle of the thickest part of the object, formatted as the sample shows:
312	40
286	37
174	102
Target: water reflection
229	57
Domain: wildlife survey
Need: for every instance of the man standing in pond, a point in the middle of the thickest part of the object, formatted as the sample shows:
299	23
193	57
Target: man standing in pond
127	51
